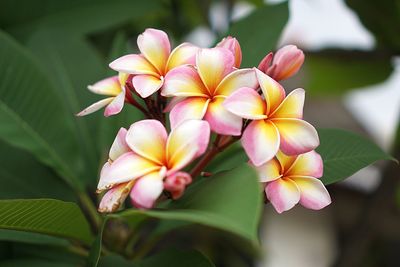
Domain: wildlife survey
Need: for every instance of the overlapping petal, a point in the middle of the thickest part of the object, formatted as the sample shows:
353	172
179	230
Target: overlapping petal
148	138
134	64
190	108
272	91
313	194
292	105
307	164
235	80
261	141
147	190
183	81
269	171
186	141
221	120
155	46
96	106
115	105
181	55
119	146
109	86
246	103
213	65
146	85
283	194
114	197
232	45
297	136
127	167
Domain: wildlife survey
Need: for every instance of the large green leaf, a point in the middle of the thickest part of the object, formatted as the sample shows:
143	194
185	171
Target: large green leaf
87	17
345	153
229	201
334	72
31	114
33	263
176	258
46	216
31	238
259	32
33	180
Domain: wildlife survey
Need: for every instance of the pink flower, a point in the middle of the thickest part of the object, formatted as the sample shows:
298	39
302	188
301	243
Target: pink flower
286	62
115	88
232	45
154	62
143	156
293	179
277	121
202	90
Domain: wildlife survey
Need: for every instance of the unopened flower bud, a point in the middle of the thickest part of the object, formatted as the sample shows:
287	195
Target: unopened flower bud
177	183
232	45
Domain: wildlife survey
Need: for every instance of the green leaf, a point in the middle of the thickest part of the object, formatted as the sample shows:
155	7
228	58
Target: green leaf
269	21
33	263
31	115
46	216
88	17
333	72
29	181
230	158
230	201
31	238
95	251
176	258
345	153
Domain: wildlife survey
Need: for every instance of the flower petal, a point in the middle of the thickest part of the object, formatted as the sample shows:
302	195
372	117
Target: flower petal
283	194
114	198
307	164
221	120
235	80
183	81
246	103
286	161
119	145
155	46
133	64
269	171
213	65
181	55
265	62
260	141
173	102
147	190
146	85
292	105
288	60
109	86
96	106
148	138
127	167
313	194
232	45
272	90
186	142
116	105
190	108
297	136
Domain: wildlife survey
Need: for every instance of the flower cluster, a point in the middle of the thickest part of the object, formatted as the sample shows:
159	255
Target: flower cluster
207	95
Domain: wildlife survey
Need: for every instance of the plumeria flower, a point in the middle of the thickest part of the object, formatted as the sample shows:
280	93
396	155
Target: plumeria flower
114	87
154	62
284	64
294	179
142	157
232	45
204	89
277	121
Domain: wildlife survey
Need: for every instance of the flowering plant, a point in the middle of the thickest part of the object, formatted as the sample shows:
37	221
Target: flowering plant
195	143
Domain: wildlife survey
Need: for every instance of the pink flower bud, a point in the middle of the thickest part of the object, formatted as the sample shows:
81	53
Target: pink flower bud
284	64
232	45
176	183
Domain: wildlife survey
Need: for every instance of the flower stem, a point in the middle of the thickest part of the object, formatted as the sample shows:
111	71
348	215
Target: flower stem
90	211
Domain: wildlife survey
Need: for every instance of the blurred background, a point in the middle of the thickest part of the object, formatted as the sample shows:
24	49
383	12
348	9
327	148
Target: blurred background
351	75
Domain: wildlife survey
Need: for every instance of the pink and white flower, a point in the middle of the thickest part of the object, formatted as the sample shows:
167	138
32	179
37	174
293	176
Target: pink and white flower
277	120
142	157
203	89
232	45
114	87
154	62
284	64
294	179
